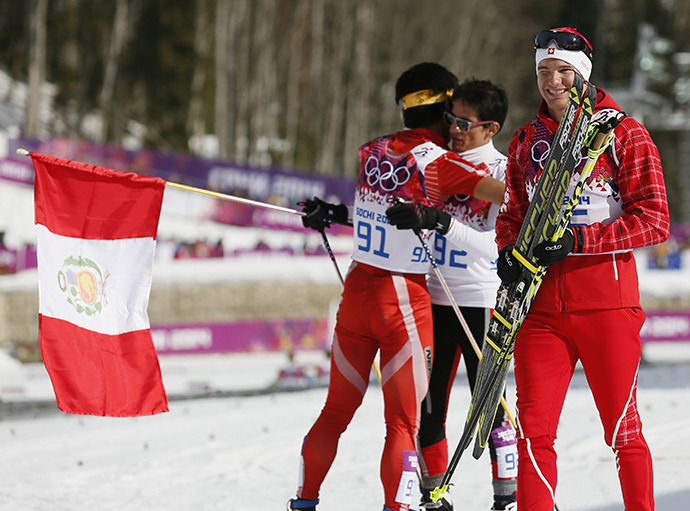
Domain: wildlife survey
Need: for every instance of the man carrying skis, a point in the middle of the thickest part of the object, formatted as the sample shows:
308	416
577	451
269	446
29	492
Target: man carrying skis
385	303
587	307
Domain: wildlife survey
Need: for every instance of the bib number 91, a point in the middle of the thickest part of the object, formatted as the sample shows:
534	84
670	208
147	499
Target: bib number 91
369	239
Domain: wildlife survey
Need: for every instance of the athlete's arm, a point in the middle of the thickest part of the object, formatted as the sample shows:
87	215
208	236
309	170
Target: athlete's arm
482	242
490	189
642	190
455	174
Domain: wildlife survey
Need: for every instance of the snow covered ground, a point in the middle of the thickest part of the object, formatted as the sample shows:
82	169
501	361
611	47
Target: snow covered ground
242	452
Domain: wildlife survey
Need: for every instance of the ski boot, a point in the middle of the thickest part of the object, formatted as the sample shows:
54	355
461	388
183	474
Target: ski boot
301	504
502	505
426	504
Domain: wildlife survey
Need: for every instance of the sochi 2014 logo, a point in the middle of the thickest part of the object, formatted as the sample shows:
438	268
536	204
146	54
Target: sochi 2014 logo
84	283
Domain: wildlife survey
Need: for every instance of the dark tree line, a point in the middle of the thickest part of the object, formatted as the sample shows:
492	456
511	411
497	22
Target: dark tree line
293	83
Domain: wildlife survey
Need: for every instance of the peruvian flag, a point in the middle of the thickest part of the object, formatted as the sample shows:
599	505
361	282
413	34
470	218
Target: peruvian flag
96	240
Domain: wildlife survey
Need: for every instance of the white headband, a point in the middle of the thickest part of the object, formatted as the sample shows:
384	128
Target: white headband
577	59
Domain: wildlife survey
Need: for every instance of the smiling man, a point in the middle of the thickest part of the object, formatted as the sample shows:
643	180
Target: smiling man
556	68
588	307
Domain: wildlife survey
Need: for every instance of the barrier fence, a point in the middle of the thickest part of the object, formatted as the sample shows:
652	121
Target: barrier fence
315	333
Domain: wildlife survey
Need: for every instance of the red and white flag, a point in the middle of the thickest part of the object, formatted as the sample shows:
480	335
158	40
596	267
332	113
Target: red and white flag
96	240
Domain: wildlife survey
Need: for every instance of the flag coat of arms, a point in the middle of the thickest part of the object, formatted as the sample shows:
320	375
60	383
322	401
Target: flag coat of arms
96	231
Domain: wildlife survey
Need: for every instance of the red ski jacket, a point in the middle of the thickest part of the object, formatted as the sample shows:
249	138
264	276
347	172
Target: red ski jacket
623	206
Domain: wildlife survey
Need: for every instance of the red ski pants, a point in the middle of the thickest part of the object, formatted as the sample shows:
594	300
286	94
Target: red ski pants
385	311
548	346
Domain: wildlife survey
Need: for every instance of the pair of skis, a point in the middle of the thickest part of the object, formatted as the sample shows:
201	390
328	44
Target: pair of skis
546	219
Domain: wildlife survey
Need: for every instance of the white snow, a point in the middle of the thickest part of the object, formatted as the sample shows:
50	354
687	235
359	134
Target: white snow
229	453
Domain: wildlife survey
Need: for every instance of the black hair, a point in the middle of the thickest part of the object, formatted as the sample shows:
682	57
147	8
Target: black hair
488	99
424	76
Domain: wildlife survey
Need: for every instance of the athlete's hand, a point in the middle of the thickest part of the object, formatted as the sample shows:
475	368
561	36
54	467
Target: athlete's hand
551	252
509	268
411	215
321	214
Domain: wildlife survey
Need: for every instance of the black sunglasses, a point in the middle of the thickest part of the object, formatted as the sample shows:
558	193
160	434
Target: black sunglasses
564	40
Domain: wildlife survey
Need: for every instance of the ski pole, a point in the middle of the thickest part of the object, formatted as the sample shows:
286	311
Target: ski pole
461	318
327	245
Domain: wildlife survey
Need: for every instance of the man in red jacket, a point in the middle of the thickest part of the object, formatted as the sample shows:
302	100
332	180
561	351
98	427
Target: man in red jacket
588	306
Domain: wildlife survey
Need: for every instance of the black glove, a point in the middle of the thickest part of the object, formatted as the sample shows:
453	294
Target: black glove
551	252
509	268
411	215
321	214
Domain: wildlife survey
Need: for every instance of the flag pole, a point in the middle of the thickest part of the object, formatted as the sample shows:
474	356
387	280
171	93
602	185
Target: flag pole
234	198
218	195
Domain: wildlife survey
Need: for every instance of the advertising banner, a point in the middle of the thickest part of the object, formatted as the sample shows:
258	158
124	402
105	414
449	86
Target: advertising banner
666	326
243	336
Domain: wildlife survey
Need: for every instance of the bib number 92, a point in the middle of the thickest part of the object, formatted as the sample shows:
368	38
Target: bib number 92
452	257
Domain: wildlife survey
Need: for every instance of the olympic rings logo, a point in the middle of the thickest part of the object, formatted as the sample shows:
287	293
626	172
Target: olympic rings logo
385	175
541	158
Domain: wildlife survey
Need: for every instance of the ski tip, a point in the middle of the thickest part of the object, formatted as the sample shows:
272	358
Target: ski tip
438	493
